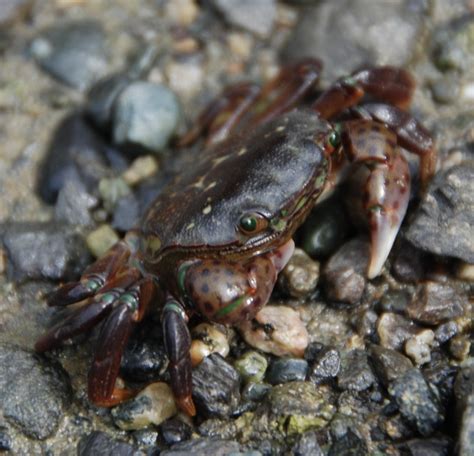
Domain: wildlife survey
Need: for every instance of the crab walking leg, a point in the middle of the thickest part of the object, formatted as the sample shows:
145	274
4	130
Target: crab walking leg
129	309
411	134
389	84
177	344
387	188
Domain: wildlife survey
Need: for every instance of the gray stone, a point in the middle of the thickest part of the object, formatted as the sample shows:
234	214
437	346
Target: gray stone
13	10
74	204
428	447
326	365
355	373
34	393
145	116
444	223
287	370
99	443
126	213
216	447
388	364
307	445
349	444
72	52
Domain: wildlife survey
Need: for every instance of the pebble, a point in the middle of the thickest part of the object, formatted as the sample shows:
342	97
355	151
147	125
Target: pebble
145	438
151	406
287	370
14	10
100	443
465	410
175	430
44	250
72	52
255	392
435	303
374	33
185	78
101	239
111	190
459	347
393	330
34	393
444	222
428	447
207	339
256	17
441	373
325	366
307	445
126	213
300	276
203	446
146	115
417	402
408	264
395	301
5	441
418	347
74	204
388	364
345	272
280	331
349	443
251	366
141	169
445	331
216	387
355	373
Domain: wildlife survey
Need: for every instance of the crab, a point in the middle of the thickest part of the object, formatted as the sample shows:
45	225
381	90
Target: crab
214	240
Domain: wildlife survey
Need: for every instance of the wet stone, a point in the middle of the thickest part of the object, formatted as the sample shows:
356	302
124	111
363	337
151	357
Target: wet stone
47	250
34	393
418	347
445	331
101	443
395	301
388	364
325	366
207	339
145	437
428	447
287	370
459	347
5	441
251	366
101	239
145	117
349	444
300	276
216	387
255	391
111	190
175	430
344	273
444	222
256	17
443	375
307	445
355	373
408	265
417	402
435	303
466	434
217	447
126	213
72	52
74	204
393	330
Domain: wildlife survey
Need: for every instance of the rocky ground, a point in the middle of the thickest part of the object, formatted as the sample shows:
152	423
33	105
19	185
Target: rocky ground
389	366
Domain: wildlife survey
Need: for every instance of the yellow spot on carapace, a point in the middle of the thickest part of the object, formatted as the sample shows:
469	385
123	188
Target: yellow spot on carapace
207	209
199	183
280	128
242	151
190	226
211	185
217	161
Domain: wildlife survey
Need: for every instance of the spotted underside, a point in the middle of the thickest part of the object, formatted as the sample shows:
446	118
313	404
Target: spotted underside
261	172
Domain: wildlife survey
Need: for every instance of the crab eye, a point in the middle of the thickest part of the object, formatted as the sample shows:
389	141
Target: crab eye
252	223
334	139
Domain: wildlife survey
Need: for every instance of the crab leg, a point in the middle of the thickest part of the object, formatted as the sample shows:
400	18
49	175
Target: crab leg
387	187
389	84
177	344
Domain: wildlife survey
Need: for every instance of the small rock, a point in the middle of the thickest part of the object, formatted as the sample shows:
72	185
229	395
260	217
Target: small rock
101	239
417	402
428	447
345	272
409	264
442	374
395	301
251	366
72	52
186	78
100	443
393	330
182	12
418	347
388	364
444	223
145	438
151	406
145	116
126	213
141	169
326	366
255	391
349	444
445	331
446	90
111	190
44	251
14	10
5	441
34	393
207	339
466	431
465	271
459	347
307	445
256	17
277	330
435	303
175	430
300	276
202	446
287	370
74	203
216	387
355	373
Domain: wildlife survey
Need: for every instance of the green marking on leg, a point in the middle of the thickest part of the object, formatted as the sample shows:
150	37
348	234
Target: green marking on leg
229	308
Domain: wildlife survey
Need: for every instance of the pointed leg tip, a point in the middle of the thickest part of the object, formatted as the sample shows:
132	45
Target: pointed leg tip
186	404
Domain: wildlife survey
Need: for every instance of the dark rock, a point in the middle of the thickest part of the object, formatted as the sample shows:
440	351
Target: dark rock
435	303
388	364
145	117
256	17
216	387
44	251
428	447
216	447
355	373
14	10
100	443
145	437
76	153
255	392
307	445
393	330
347	34
417	401
326	366
395	301
251	366
74	203
348	445
72	52
441	374
464	410
345	272
466	432
5	441
175	430
126	213
34	393
285	370
325	229
446	331
444	223
409	264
